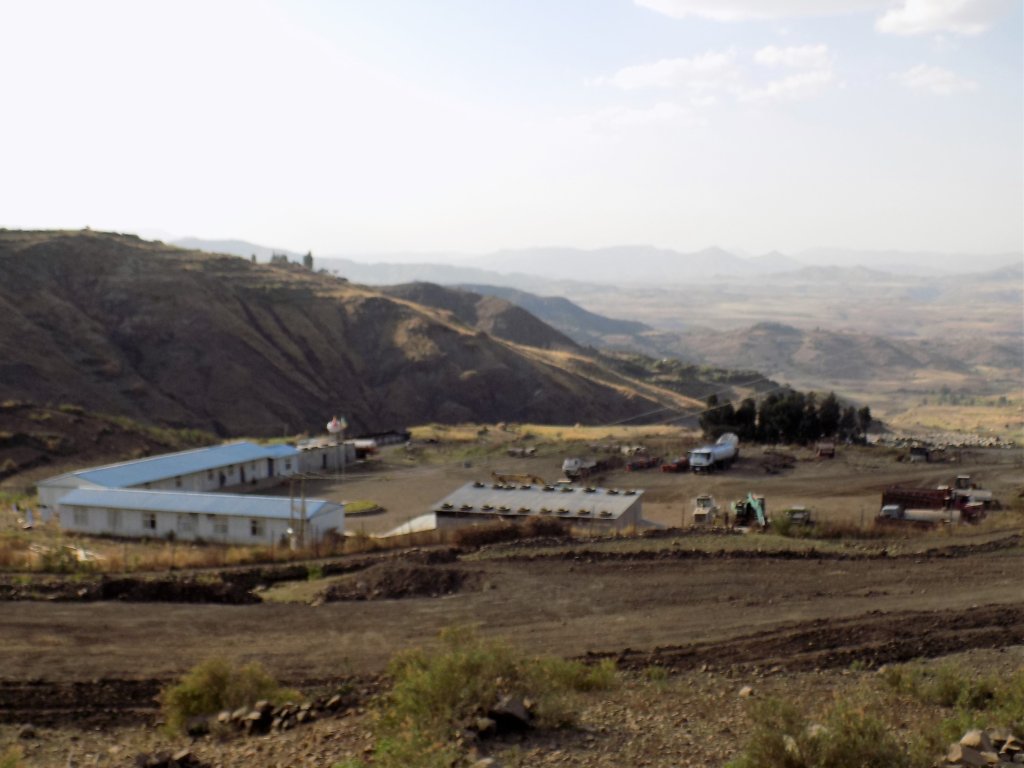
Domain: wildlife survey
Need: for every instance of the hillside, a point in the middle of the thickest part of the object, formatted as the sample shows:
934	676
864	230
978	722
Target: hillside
581	325
487	313
184	338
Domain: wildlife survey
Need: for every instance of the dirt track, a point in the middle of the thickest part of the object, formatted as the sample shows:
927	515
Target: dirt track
105	660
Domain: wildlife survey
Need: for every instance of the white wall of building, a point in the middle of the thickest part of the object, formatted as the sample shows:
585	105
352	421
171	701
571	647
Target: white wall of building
192	526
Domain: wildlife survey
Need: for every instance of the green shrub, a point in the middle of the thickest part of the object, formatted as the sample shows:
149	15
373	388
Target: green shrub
486	533
215	685
435	694
851	736
11	758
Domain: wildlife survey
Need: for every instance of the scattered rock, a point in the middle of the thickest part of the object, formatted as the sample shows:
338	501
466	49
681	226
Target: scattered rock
27	731
746	692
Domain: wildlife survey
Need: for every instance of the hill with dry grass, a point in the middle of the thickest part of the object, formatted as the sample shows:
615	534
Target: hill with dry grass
184	338
490	314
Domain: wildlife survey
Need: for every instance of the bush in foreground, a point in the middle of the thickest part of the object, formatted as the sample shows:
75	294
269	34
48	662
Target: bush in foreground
436	694
849	736
216	685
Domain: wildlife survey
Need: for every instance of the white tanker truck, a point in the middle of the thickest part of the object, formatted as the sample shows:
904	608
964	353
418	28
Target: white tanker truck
720	455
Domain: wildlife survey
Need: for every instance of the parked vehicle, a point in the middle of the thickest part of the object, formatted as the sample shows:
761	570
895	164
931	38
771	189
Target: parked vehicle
705	511
680	464
720	455
750	511
644	462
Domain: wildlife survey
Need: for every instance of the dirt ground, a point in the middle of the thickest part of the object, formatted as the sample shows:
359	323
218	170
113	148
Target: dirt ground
847	488
714	610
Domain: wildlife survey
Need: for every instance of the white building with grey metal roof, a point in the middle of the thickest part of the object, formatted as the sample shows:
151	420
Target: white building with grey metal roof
600	509
166	495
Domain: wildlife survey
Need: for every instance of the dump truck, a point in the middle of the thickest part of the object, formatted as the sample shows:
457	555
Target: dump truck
720	455
705	511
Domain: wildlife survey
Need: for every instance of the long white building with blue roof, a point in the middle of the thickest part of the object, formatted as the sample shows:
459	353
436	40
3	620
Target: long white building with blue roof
180	494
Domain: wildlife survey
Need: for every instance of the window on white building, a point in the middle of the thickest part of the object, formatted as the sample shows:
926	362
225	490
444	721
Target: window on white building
81	516
220	527
149	521
177	482
186	523
256	527
113	519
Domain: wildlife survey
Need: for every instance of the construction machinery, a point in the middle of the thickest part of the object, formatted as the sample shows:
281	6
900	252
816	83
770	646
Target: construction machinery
749	512
705	511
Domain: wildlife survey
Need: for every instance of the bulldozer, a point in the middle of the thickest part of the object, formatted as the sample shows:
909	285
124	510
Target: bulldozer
749	512
705	511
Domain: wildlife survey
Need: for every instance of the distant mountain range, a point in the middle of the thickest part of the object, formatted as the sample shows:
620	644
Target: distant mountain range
547	270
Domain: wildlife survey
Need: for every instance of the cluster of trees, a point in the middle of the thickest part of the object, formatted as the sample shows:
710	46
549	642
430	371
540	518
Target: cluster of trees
787	416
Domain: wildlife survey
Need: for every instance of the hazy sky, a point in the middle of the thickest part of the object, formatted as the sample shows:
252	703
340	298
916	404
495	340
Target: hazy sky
471	125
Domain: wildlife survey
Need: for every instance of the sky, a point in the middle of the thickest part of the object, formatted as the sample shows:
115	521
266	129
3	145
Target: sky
376	126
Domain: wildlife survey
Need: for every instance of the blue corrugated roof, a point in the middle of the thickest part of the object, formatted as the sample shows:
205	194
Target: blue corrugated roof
278	507
155	468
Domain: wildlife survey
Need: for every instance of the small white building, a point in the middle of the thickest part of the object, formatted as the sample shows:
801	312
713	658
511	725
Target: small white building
224	518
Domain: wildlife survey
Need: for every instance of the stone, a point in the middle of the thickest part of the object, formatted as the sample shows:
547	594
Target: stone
485	726
197	726
977	739
746	692
486	762
27	731
334	702
510	714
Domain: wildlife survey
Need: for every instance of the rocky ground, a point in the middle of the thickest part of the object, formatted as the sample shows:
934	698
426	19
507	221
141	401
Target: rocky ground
695	718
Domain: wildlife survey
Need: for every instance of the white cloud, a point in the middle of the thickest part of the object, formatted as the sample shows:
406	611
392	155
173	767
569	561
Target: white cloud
702	72
800	56
607	123
803	85
923	17
935	80
744	10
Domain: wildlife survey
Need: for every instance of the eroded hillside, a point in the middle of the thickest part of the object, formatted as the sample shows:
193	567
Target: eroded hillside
120	325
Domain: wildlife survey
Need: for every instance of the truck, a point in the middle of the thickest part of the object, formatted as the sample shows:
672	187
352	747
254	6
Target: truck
576	468
719	455
931	506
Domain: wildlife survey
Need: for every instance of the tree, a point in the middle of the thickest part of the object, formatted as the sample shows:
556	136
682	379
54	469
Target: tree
307	261
864	420
828	414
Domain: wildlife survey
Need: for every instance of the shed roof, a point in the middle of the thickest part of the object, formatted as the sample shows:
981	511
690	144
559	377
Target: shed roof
230	504
567	502
155	468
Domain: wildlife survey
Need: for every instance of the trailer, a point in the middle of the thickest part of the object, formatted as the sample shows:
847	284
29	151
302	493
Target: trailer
644	462
680	464
720	455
